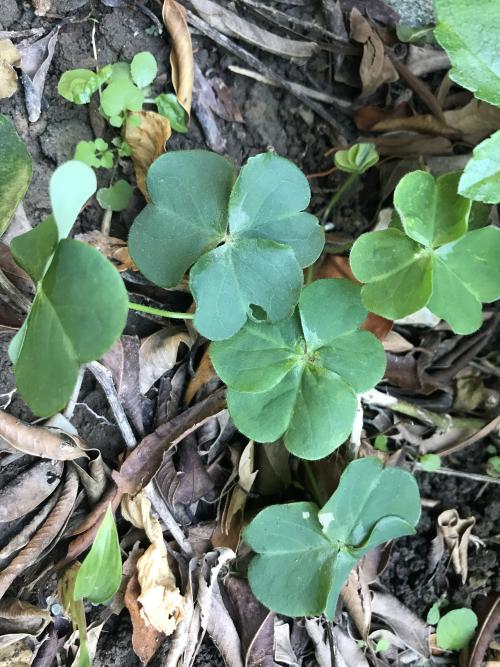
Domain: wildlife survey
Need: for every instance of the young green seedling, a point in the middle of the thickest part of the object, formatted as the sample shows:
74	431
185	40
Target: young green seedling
299	378
455	629
15	171
94	153
245	239
116	197
80	306
432	260
305	554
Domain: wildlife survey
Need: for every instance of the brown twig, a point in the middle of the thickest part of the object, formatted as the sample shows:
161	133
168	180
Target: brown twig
420	89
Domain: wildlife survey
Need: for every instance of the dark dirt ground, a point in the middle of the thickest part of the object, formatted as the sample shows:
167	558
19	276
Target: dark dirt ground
272	119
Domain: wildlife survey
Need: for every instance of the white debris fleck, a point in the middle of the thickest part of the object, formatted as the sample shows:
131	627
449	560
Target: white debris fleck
305	515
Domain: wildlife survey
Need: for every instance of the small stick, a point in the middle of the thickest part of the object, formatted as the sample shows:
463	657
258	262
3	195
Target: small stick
70	407
458	473
165	515
105	379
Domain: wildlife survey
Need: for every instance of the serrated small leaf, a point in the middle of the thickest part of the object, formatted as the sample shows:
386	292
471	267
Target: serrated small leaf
100	574
143	69
468	32
169	106
260	222
116	197
357	159
316	549
15	171
313	363
455	629
481	178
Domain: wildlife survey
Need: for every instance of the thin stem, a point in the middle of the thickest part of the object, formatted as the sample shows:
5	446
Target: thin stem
162	313
310	274
340	192
459	473
313	482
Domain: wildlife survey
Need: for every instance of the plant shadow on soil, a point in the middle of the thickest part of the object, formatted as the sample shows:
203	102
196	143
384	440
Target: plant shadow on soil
272	119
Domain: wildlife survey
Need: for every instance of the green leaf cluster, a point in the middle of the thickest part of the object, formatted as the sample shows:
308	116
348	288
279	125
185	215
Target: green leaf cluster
305	554
245	239
80	306
15	171
299	378
94	153
432	260
357	159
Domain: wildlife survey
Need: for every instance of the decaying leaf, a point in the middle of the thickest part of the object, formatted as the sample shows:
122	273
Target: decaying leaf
9	56
29	489
376	67
19	616
147	142
453	533
181	55
357	599
158	354
48	443
406	625
146	639
162	605
35	62
205	375
232	25
114	249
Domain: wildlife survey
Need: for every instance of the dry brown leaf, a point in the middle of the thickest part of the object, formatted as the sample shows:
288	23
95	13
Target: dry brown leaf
181	54
410	144
162	605
367	117
455	534
48	443
375	68
357	599
20	616
205	373
396	343
23	536
145	638
15	651
29	489
9	56
147	142
406	625
36	58
158	354
116	250
232	25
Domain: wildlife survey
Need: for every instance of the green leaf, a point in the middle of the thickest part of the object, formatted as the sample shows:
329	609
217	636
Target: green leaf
170	107
15	171
259	220
430	462
316	549
33	250
357	159
313	363
116	197
71	185
450	270
143	69
468	32
100	574
381	442
434	613
94	153
493	466
78	85
415	35
79	311
455	629
119	96
431	211
481	178
382	645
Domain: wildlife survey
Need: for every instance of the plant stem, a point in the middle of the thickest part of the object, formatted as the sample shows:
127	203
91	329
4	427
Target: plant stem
314	484
162	313
309	274
343	188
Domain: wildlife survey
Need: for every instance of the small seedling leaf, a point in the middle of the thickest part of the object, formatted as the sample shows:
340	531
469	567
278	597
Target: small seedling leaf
71	185
143	69
381	443
455	629
430	462
100	574
357	159
116	197
434	614
15	171
169	106
468	33
317	548
78	85
481	178
266	237
314	362
382	645
433	260
121	95
94	154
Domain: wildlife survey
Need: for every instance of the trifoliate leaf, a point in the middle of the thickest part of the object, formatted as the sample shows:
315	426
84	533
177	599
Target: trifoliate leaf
443	266
259	220
317	548
468	32
15	171
481	178
143	69
116	197
313	364
357	159
94	153
100	574
119	96
170	107
455	629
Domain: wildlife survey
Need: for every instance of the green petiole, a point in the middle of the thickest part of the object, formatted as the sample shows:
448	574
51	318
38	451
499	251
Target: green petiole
162	313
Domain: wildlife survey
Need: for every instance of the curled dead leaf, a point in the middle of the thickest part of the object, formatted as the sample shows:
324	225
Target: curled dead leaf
454	533
9	56
205	374
357	599
147	142
158	354
181	55
29	489
146	639
48	443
